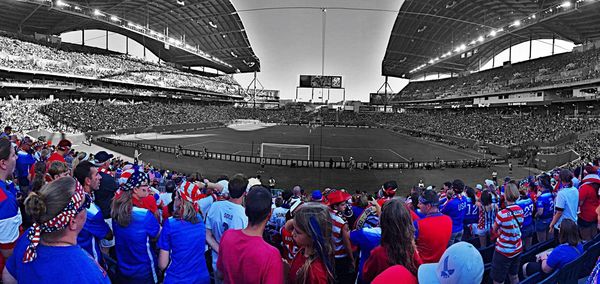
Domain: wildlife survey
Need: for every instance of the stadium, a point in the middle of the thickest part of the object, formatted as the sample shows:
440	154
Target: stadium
460	132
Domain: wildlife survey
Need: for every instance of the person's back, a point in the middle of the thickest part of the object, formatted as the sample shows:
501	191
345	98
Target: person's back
64	264
567	199
432	235
455	209
248	259
132	244
94	230
106	192
185	241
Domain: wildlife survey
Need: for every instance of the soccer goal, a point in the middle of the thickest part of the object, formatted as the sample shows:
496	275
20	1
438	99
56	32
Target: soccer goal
285	151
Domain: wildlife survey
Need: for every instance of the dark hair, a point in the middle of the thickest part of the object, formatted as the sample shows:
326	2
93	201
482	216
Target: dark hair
237	186
448	184
397	234
5	146
83	171
471	194
414	199
458	186
486	197
545	181
568	232
258	204
566	176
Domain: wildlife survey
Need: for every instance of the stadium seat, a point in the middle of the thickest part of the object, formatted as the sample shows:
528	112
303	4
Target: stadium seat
535	278
572	271
551	279
592	242
591	256
487	253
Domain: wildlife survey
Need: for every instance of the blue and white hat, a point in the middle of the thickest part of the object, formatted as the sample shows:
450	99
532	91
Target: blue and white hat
460	264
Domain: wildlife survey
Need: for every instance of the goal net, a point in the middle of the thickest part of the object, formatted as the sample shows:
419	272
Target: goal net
285	151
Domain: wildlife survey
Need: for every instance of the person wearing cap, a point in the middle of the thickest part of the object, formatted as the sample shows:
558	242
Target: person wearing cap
105	193
261	262
25	160
181	239
133	229
94	229
63	147
587	220
509	246
455	208
316	196
432	232
343	256
387	192
225	215
460	263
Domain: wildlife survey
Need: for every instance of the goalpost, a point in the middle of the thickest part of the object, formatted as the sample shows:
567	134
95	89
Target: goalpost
285	151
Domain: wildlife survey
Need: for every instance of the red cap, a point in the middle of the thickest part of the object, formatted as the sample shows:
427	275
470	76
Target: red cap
395	273
338	196
64	144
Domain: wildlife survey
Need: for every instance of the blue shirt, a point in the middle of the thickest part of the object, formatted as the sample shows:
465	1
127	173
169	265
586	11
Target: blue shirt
10	216
567	199
546	202
24	162
222	216
185	242
135	257
456	209
471	213
366	239
527	205
70	264
563	254
94	230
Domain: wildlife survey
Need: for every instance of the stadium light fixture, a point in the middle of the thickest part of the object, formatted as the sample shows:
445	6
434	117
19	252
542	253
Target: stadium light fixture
60	3
566	4
462	47
114	19
493	33
517	23
480	39
77	8
97	12
533	16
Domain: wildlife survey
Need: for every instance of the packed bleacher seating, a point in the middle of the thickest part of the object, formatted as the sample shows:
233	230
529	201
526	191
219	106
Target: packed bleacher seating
557	69
325	236
19	54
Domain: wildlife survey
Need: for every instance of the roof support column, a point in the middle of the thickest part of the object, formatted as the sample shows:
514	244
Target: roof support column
510	49
494	57
126	45
530	43
553	40
82	37
106	40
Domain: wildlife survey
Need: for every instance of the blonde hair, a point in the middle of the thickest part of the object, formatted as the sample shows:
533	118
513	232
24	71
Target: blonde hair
121	208
186	211
511	192
56	168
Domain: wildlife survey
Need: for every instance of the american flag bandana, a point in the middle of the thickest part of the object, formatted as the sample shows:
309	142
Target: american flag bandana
133	178
79	201
190	192
103	170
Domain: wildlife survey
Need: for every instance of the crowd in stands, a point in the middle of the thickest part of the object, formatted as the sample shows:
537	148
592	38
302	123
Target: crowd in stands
20	54
13	112
558	69
125	222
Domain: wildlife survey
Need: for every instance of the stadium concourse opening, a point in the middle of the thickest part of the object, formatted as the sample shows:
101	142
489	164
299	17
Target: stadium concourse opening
118	166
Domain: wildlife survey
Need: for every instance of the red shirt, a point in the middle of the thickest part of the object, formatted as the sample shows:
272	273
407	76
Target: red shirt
55	157
289	247
148	203
413	215
432	236
588	198
378	262
317	272
395	274
248	259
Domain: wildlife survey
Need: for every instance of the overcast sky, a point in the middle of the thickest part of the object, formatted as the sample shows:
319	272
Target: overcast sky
286	36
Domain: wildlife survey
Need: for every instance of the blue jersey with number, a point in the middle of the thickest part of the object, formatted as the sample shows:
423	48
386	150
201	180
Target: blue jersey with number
527	205
546	202
456	209
471	213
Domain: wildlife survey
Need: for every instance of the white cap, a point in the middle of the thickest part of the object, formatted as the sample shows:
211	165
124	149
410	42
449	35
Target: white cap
461	263
252	182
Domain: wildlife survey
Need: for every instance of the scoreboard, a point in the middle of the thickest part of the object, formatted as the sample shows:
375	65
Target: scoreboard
318	81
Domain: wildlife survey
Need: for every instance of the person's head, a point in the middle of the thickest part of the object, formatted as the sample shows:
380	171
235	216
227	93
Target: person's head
297	191
87	175
313	231
568	232
237	186
26	143
566	177
338	200
511	192
278	201
428	201
57	169
389	188
258	205
545	181
64	146
8	130
458	186
397	234
447	185
486	198
132	183
185	203
460	263
8	159
57	211
286	195
102	159
471	194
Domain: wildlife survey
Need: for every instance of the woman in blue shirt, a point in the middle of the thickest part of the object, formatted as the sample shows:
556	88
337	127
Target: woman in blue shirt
182	239
48	252
569	250
133	229
545	208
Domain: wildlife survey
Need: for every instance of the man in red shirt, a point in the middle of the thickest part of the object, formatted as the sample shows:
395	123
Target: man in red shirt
432	232
62	149
244	257
587	220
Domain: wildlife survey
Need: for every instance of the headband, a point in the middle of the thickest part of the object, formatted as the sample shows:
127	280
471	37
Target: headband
190	192
136	178
79	201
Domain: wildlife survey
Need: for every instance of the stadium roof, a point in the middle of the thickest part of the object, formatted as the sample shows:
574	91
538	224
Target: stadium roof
457	35
199	33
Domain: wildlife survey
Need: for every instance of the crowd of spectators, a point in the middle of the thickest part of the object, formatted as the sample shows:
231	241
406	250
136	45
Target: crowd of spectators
20	54
557	69
125	222
13	112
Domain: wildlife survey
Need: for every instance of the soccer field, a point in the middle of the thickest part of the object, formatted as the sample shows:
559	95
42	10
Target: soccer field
325	143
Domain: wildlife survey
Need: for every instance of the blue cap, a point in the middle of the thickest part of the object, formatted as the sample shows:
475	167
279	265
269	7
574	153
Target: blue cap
461	263
317	195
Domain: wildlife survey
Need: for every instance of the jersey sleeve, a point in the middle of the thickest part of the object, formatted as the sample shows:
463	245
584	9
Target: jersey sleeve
164	238
554	259
152	226
560	201
97	227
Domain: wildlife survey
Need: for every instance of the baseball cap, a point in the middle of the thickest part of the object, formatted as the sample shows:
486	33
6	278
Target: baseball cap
64	144
252	182
393	274
225	185
479	187
338	196
390	187
101	157
317	195
461	263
